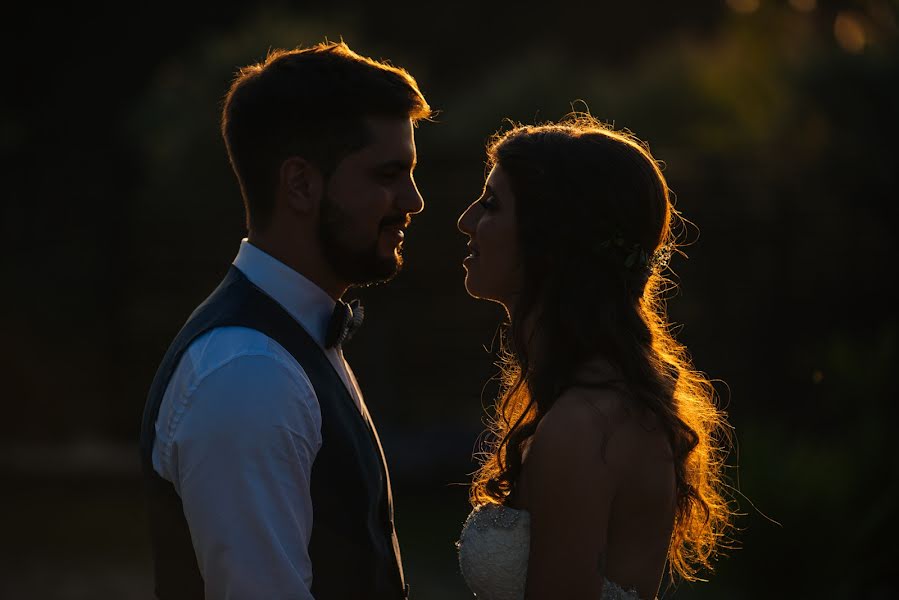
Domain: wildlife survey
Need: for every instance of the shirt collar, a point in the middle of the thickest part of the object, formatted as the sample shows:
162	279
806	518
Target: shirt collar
310	305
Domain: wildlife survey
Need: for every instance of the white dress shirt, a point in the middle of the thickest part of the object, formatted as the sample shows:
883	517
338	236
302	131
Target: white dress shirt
238	430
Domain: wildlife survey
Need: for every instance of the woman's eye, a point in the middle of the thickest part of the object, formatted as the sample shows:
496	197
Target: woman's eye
489	203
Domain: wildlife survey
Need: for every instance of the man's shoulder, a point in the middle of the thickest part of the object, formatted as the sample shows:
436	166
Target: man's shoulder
230	370
234	385
236	345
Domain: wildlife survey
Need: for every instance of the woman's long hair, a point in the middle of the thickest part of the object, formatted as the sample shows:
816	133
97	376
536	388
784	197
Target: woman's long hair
595	224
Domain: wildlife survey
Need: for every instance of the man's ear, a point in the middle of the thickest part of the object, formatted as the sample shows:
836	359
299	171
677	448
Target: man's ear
301	184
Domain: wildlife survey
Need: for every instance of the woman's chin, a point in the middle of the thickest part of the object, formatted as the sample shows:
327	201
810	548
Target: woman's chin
471	286
479	292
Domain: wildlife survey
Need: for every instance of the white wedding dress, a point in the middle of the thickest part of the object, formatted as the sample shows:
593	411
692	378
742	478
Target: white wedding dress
493	555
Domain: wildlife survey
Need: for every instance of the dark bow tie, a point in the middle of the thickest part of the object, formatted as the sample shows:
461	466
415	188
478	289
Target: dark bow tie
345	320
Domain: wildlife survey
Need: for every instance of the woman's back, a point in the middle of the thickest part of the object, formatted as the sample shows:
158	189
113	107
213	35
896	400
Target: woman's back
598	480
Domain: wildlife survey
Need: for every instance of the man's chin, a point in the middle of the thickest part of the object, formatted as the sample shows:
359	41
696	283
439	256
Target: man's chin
380	271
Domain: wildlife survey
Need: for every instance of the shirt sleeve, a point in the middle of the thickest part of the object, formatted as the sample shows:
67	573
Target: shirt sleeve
244	452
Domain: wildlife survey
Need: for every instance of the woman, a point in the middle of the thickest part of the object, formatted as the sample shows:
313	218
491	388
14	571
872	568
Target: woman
608	451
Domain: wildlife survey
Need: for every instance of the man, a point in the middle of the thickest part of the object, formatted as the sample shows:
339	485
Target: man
265	475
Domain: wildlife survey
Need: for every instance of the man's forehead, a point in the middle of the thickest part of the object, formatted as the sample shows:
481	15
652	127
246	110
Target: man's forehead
391	130
390	140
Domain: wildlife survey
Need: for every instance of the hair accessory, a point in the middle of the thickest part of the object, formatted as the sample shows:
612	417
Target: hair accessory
635	257
661	258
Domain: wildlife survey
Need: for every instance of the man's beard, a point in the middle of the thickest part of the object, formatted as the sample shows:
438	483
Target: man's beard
359	266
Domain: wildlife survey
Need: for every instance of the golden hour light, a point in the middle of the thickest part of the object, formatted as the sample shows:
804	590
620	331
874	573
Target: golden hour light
849	32
804	5
635	274
744	7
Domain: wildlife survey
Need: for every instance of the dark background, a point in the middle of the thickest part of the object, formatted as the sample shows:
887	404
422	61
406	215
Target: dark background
777	122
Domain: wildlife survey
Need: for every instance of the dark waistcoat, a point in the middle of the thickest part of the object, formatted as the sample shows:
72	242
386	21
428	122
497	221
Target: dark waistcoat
353	547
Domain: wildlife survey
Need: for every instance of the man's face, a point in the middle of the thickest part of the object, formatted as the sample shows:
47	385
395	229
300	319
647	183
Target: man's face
367	204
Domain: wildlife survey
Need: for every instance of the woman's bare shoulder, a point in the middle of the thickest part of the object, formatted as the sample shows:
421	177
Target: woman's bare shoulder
602	425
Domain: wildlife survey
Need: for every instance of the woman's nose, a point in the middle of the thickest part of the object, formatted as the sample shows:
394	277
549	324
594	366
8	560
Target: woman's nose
466	220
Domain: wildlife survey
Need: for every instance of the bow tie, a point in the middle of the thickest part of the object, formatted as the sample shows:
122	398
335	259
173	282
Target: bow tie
345	320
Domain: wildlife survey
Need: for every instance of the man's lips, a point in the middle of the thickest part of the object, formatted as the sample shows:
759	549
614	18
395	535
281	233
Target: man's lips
396	226
396	233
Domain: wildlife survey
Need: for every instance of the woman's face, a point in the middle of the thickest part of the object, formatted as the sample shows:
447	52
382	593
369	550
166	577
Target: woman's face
493	269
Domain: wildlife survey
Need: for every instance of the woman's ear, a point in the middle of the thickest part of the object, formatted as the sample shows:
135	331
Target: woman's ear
300	184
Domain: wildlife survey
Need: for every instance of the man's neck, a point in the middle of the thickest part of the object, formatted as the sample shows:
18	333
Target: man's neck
305	260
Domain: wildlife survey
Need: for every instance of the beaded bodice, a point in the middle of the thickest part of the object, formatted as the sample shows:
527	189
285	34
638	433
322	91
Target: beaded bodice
493	555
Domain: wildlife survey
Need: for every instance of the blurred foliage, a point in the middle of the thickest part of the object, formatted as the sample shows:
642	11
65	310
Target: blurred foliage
776	122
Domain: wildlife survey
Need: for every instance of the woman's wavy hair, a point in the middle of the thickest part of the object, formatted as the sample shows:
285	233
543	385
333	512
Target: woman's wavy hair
592	206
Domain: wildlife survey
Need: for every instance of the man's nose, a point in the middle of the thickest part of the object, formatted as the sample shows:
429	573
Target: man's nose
410	200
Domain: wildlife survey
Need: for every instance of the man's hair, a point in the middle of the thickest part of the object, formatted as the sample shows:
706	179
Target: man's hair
308	102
